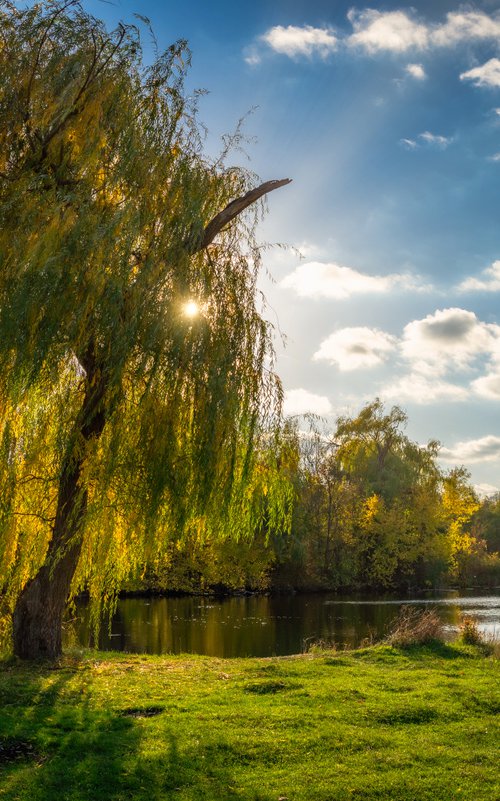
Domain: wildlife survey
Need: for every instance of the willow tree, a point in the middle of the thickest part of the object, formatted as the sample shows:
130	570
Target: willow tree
124	421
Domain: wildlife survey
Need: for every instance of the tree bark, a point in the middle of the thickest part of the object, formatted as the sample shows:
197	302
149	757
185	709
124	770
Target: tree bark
196	243
38	614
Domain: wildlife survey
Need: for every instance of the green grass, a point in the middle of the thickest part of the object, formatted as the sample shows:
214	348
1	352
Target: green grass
382	723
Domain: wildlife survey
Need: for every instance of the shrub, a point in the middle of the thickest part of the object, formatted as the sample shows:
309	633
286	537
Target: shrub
311	645
470	633
416	627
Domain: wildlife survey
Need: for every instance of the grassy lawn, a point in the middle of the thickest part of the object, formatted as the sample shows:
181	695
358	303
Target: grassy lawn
382	723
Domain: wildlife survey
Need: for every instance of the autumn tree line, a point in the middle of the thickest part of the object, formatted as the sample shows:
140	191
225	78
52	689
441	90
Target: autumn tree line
372	511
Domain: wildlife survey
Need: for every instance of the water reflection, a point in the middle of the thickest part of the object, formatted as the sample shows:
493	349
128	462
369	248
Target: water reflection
266	625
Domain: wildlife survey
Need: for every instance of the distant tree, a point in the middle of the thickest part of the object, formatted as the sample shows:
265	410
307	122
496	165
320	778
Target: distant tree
124	422
399	489
328	504
374	510
460	502
374	446
486	522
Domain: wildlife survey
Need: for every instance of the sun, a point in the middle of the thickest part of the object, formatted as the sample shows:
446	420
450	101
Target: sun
191	308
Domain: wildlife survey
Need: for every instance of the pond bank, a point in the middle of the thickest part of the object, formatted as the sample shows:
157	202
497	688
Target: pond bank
378	723
267	625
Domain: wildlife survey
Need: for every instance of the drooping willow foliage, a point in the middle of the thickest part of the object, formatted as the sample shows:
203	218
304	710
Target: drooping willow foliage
104	194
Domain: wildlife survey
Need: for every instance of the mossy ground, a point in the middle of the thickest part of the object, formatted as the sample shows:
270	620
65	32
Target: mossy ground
412	724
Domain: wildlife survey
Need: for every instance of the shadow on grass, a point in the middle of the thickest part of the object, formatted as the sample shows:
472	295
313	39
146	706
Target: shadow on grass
405	717
79	750
437	648
434	648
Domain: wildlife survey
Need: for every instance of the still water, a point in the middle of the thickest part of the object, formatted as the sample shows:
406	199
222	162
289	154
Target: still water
258	625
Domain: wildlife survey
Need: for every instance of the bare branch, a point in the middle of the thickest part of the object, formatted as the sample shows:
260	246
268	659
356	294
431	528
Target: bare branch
33	514
231	211
30	477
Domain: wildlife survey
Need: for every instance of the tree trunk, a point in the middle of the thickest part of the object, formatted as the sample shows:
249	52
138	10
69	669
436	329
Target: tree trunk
38	614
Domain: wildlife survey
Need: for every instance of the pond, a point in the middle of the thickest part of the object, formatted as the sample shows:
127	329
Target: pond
267	625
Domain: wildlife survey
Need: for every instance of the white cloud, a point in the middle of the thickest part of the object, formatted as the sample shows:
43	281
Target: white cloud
300	401
488	386
462	26
252	58
329	280
399	31
416	71
485	490
394	30
448	339
495	157
309	250
435	139
472	451
356	348
486	75
409	144
490	282
428	138
294	41
418	388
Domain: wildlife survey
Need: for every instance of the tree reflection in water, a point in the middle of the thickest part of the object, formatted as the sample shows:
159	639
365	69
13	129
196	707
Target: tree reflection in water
258	625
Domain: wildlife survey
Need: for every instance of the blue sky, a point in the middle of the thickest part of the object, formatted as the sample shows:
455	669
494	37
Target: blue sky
387	118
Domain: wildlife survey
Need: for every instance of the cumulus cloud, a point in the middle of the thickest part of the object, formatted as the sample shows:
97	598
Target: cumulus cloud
394	30
449	338
485	490
356	348
419	389
295	41
486	75
472	451
448	341
416	71
400	31
329	280
463	26
489	280
488	386
300	401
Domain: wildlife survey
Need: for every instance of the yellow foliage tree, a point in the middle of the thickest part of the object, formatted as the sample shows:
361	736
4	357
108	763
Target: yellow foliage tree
124	421
460	502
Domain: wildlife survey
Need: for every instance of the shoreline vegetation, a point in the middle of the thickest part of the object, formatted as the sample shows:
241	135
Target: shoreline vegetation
411	718
361	592
372	512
